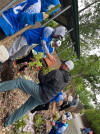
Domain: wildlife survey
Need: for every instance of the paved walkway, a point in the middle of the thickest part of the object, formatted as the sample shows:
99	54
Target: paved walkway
78	123
74	126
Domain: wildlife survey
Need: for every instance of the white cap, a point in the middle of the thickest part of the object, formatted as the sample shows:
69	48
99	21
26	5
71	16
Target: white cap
63	94
70	97
58	43
64	117
70	64
4	55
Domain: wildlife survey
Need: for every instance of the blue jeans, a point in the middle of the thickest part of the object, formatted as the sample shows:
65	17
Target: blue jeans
27	86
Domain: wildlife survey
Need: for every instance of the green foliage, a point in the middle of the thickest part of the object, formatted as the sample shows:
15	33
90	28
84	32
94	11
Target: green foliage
19	124
52	24
66	88
24	125
93	117
86	74
35	64
89	20
88	69
39	123
66	50
46	70
88	106
56	114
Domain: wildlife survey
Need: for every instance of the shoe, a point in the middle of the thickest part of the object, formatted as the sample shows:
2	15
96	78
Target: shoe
60	109
0	66
15	64
9	62
8	114
18	73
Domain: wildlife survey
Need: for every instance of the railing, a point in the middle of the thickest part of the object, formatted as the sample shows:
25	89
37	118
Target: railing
7	6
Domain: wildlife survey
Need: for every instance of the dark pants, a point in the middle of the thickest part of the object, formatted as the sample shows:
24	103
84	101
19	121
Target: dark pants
28	58
64	106
2	34
41	107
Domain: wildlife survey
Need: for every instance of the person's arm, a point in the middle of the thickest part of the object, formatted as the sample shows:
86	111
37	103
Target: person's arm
51	57
44	39
26	18
53	109
44	46
45	78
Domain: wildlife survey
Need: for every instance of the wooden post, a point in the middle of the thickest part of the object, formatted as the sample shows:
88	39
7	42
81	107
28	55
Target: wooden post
38	24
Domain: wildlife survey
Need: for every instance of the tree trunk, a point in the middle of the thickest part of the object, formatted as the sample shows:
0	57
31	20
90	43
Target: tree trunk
88	6
77	75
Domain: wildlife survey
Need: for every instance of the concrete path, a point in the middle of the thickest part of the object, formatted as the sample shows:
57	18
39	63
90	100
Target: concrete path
74	126
78	123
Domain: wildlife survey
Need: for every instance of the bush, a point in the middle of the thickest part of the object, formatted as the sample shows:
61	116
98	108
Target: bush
93	117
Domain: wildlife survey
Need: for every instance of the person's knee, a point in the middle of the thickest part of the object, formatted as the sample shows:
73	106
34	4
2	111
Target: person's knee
20	79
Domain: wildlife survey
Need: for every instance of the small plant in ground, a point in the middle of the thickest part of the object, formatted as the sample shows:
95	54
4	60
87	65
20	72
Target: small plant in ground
56	115
24	125
39	123
46	70
35	64
27	77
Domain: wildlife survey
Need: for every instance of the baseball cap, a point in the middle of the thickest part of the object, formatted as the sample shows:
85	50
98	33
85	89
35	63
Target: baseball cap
70	64
4	55
63	117
60	30
58	43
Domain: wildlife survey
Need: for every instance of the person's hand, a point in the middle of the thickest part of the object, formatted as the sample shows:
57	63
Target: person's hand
52	112
53	123
52	58
45	15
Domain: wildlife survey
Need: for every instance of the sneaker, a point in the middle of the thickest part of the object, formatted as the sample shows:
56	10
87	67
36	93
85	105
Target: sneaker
9	62
0	66
18	73
8	114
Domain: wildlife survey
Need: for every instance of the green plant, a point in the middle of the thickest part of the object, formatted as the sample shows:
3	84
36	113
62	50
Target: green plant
24	125
46	70
18	126
56	115
35	64
39	123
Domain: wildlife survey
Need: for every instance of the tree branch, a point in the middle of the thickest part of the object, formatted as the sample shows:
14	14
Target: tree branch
88	6
77	75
